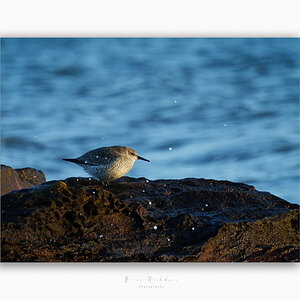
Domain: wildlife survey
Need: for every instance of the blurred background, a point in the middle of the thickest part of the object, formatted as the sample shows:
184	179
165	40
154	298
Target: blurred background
225	108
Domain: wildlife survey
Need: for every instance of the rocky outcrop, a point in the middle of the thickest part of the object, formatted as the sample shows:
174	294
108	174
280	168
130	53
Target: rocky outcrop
15	179
274	239
33	176
78	219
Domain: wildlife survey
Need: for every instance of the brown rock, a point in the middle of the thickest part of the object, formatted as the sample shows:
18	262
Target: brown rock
268	240
31	175
129	220
11	181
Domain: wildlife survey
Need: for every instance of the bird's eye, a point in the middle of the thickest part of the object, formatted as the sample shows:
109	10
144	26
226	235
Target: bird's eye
132	153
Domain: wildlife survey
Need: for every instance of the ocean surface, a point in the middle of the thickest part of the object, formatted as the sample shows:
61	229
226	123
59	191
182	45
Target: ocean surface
226	109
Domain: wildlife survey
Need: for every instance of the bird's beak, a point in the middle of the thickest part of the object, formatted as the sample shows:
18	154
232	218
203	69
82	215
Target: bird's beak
143	158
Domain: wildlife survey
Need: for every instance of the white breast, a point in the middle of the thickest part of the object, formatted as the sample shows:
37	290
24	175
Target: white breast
109	172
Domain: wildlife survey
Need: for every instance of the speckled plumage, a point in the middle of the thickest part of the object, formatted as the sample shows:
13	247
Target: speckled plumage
107	163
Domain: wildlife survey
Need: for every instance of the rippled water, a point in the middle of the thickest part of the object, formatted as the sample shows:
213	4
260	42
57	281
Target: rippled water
212	108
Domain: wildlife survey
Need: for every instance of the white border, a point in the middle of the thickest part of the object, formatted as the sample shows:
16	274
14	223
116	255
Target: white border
211	18
162	18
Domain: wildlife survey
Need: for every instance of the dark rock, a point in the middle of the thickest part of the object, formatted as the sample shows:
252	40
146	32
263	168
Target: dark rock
268	240
12	179
78	219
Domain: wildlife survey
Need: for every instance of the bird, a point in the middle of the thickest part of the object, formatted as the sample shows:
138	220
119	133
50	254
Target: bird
107	163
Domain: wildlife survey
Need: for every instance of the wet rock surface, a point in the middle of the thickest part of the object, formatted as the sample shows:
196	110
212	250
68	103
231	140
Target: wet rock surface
78	219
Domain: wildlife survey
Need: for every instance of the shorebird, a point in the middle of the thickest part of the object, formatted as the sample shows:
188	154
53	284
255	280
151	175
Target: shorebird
107	163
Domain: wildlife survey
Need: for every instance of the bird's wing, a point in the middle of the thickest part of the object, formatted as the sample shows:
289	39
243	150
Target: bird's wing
100	156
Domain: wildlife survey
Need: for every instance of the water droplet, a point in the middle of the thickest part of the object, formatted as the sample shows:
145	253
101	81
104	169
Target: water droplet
85	161
175	101
155	227
143	191
77	179
94	192
150	202
90	178
225	125
170	148
97	156
80	214
101	236
147	180
193	228
206	205
129	213
169	240
105	157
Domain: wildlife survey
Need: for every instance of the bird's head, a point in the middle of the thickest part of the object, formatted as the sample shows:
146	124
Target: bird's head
131	153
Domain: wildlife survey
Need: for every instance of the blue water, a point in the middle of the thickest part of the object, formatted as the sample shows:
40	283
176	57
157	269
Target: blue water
208	108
